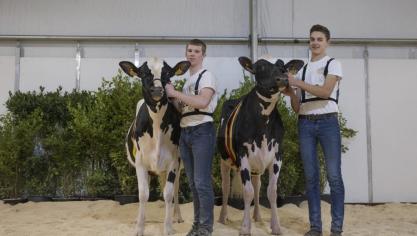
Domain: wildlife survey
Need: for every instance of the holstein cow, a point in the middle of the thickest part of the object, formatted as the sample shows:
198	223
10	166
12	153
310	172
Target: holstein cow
250	138
152	139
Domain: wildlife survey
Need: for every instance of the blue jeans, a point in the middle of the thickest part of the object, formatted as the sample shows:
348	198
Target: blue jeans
325	131
197	144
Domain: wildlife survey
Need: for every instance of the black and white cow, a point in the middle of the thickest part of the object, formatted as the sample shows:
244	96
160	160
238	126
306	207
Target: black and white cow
250	138
152	139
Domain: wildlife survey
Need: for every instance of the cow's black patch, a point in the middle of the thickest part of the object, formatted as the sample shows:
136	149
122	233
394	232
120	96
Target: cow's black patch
172	118
278	155
171	177
276	168
143	122
244	175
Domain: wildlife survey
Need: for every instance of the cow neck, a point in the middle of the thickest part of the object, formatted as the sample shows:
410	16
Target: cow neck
153	105
157	109
267	104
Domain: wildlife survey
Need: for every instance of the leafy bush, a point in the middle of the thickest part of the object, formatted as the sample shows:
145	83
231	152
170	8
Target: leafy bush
63	144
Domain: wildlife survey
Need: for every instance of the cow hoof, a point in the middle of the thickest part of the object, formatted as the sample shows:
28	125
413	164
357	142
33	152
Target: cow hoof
223	220
276	232
258	219
169	232
138	234
245	234
179	221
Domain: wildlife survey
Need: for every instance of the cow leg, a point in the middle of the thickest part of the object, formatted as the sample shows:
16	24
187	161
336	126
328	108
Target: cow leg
162	178
177	212
248	194
274	169
168	197
225	171
256	182
142	176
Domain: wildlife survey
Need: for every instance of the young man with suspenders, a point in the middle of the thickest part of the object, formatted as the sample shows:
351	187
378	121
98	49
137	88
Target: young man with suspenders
316	102
198	101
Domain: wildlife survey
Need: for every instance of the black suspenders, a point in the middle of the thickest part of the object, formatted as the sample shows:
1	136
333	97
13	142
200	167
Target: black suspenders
326	71
196	111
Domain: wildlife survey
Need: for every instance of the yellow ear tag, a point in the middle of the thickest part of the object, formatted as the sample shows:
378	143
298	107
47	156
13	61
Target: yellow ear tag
292	70
132	72
178	71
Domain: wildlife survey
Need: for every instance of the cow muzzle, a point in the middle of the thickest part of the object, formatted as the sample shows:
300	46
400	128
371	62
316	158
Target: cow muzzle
282	84
157	93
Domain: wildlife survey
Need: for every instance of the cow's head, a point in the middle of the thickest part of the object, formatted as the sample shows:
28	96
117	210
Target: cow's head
270	78
155	74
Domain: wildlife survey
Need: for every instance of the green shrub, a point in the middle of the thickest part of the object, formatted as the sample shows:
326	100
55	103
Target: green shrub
63	144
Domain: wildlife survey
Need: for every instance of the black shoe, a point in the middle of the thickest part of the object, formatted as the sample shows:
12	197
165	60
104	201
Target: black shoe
193	231
203	232
335	233
313	232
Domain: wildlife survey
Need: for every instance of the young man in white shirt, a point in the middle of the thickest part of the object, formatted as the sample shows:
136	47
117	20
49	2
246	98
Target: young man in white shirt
315	101
198	101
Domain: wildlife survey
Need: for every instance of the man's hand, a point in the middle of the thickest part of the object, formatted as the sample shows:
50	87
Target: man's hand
170	90
289	91
292	81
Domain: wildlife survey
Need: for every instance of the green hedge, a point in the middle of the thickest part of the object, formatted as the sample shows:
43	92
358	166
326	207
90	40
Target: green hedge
64	144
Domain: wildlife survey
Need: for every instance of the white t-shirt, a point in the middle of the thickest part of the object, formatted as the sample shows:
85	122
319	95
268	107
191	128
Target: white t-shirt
314	75
207	81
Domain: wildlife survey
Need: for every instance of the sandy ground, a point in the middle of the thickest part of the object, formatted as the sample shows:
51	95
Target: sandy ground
108	218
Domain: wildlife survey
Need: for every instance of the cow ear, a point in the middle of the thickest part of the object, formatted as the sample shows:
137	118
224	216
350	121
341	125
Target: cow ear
279	63
294	66
181	67
129	68
246	63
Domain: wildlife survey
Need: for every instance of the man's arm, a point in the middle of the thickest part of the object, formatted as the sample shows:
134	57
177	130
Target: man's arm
323	91
199	101
177	104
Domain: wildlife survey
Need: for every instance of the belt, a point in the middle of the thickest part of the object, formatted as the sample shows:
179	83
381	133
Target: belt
192	128
317	116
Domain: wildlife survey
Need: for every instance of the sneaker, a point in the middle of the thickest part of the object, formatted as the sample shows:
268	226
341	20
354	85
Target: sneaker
203	232
193	231
313	232
334	233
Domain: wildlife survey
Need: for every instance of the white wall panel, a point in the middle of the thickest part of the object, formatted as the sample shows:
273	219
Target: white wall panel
352	107
7	71
125	17
393	111
356	18
47	72
94	70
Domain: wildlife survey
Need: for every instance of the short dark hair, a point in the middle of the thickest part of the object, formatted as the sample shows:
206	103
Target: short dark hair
198	42
322	29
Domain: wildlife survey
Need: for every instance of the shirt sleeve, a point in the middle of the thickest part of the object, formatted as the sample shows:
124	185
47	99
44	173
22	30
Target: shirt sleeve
335	68
207	81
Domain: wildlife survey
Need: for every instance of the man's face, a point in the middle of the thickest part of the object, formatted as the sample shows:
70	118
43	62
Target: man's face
318	43
194	55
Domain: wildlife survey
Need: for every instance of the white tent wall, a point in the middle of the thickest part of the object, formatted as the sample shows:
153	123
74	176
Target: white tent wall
7	70
393	112
125	17
392	68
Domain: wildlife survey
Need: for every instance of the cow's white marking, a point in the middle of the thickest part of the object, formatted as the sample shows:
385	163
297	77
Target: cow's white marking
260	157
155	65
266	111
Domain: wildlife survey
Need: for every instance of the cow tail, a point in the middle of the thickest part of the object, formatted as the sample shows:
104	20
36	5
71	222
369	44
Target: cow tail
131	148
